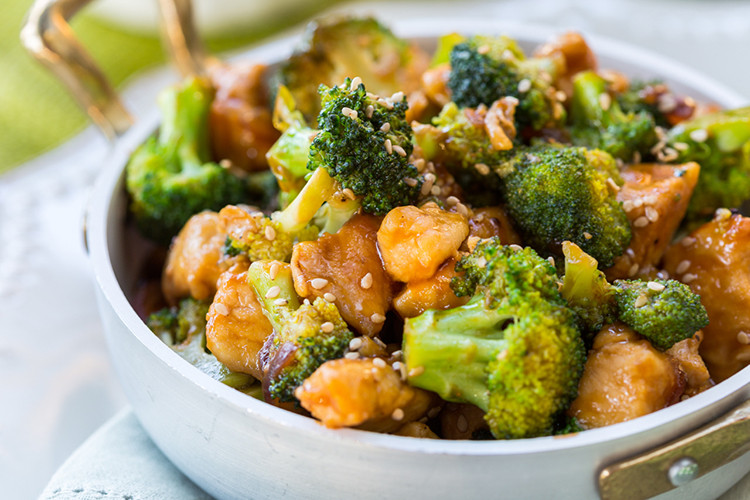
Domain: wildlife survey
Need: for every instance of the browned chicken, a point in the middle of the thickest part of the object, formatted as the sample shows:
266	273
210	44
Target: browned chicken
237	328
571	54
345	267
414	242
462	421
435	84
364	392
240	119
624	378
493	221
432	293
195	259
416	430
655	198
713	261
686	353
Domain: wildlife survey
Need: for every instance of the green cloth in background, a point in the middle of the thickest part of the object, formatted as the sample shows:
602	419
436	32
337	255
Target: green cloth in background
36	112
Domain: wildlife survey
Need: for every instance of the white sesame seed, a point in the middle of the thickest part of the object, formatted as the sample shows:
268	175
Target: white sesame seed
482	168
515	248
355	343
451	201
225	163
377	318
722	214
652	214
461	209
273	271
743	356
605	101
366	281
401	151
398	96
398	414
379	362
349	112
612	184
351	355
327	327
369	110
379	342
633	270
270	233
667	103
419	164
388	146
349	193
680	146
655	286
280	302
306	302
561	96
641	301
687	241
436	191
637	157
318	283
429	180
682	267
687	278
551	260
328	296
640	222
385	127
484	49
273	292
397	354
637	203
587	235
416	371
524	85
627	205
462	425
221	308
743	338
356	81
661	133
410	181
699	135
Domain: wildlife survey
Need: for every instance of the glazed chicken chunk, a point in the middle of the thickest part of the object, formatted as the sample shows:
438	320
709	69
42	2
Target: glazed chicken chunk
432	293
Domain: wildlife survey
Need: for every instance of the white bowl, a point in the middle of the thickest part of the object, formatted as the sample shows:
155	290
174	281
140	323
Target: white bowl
234	446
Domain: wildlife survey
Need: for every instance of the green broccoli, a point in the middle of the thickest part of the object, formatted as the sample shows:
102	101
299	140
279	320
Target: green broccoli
339	48
663	311
643	97
305	336
484	69
170	177
513	350
183	328
720	143
598	121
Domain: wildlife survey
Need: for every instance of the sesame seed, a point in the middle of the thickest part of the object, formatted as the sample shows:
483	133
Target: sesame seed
270	233
397	354
401	151
699	135
379	342
349	112
605	101
687	241
461	209
388	146
743	338
462	424
419	164
398	414
379	362
327	327
398	96
273	271
661	133
680	146
355	343
641	301
349	193
551	260
366	281
637	203
318	283
484	49
369	110
416	371
612	184
633	270
328	296
687	278
655	286
682	267
524	85
667	103
561	96
436	190
351	355
221	308
429	180
451	201
356	81
637	157
385	127
411	182
515	248
722	214
434	412
640	222
273	292
743	356
397	365
280	302
627	205
587	235
306	302
377	318
482	168
652	214
669	154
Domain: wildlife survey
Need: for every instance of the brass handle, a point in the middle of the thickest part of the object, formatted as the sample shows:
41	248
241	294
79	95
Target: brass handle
680	461
47	35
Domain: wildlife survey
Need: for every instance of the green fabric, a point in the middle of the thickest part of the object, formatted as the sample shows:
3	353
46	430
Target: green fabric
36	112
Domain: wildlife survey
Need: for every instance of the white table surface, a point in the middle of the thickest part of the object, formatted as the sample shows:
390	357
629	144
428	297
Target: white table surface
58	385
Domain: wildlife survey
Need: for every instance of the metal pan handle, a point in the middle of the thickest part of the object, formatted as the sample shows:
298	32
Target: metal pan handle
47	35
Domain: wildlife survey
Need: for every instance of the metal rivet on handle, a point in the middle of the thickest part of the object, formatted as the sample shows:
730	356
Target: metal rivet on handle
683	471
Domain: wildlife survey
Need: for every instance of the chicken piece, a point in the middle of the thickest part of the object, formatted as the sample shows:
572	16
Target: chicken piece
364	392
624	378
237	327
713	261
195	259
432	293
414	242
655	198
240	118
686	353
416	430
571	55
463	421
435	84
346	265
493	221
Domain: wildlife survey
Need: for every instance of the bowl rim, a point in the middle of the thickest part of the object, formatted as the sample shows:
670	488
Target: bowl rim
108	184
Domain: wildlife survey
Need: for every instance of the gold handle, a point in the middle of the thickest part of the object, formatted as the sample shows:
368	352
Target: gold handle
680	461
181	36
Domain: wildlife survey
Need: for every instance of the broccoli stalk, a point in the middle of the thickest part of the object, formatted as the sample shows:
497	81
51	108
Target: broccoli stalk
305	336
599	122
513	350
169	177
720	143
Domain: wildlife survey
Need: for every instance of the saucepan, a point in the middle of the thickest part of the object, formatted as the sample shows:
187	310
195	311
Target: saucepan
234	446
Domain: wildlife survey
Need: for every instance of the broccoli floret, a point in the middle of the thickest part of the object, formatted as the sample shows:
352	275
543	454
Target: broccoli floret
183	328
170	177
305	336
557	194
484	69
643	97
720	143
338	48
513	350
663	311
586	290
598	121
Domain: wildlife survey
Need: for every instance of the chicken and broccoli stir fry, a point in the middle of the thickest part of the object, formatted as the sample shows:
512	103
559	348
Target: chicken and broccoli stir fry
473	245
